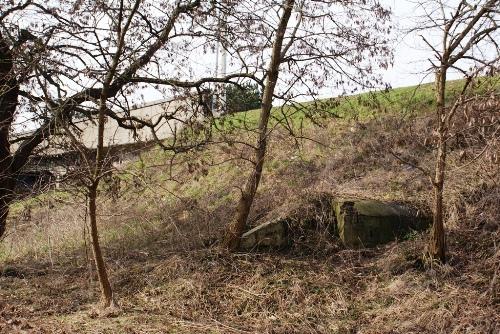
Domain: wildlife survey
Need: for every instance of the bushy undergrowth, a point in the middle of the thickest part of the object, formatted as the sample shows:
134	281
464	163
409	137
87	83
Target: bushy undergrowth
160	237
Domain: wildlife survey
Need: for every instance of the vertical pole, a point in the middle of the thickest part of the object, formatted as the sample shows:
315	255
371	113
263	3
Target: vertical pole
223	74
215	93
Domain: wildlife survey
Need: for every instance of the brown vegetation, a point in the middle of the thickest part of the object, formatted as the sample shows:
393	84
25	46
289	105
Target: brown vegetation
170	275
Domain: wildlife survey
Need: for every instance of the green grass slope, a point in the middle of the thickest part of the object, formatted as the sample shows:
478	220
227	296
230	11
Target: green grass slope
160	236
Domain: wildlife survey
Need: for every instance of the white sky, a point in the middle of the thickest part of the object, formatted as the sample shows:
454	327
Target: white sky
410	55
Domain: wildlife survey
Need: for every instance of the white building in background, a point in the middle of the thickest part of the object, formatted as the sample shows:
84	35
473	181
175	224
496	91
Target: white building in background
172	115
58	155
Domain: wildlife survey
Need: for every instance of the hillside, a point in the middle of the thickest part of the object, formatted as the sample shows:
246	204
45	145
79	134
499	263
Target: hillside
160	234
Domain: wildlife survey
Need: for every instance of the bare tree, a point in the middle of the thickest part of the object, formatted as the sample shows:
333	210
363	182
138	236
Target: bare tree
15	66
468	36
248	194
125	18
55	62
296	48
86	60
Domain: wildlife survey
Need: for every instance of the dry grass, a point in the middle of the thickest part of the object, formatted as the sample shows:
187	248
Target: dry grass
169	276
206	291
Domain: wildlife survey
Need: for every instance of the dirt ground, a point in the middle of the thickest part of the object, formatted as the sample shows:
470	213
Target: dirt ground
170	276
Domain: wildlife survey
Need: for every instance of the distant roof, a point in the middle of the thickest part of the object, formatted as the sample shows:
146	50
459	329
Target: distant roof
144	105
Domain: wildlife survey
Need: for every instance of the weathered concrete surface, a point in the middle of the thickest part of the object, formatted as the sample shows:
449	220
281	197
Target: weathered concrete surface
358	222
368	223
272	234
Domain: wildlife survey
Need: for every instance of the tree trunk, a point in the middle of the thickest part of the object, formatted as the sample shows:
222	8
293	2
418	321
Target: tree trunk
232	240
437	245
9	91
6	193
107	291
6	181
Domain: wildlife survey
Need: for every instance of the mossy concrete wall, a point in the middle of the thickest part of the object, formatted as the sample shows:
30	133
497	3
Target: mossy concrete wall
367	223
272	234
359	223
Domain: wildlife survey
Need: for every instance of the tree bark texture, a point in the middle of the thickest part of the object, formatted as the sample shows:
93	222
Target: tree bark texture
106	290
9	92
237	228
437	246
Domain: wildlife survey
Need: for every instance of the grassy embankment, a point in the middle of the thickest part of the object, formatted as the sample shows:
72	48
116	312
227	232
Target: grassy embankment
170	277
